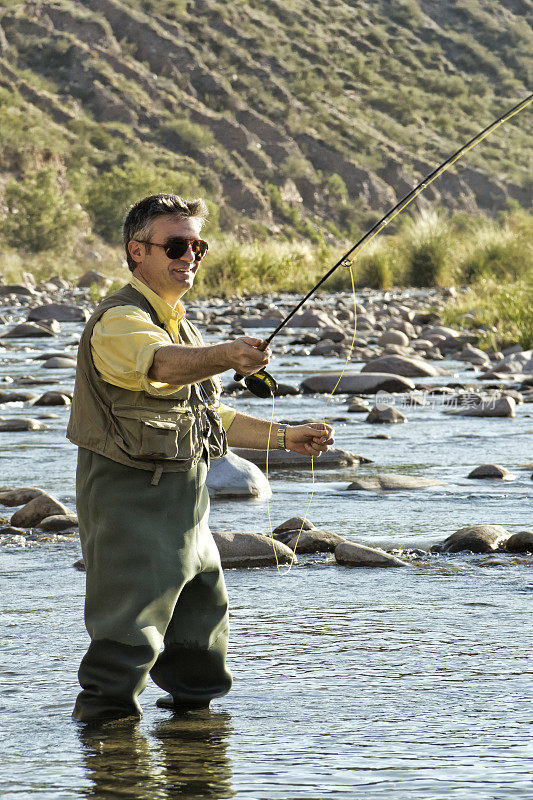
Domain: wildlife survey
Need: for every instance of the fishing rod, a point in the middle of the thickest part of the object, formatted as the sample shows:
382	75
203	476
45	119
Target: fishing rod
261	383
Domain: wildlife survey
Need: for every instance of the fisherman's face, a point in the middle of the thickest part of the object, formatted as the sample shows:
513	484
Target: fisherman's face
169	278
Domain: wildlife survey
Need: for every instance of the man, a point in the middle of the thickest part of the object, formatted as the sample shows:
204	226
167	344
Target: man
147	419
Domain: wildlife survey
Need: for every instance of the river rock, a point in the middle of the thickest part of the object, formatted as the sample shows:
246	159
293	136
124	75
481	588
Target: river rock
19	497
36	510
385	415
334	334
313	319
390	482
90	277
473	355
234	476
411	367
27	330
521	542
359	555
16	397
251	550
294	524
501	407
59	311
513	363
475	538
54	399
59	362
334	457
491	471
395	337
310	541
9	530
58	522
357	383
358	406
20	424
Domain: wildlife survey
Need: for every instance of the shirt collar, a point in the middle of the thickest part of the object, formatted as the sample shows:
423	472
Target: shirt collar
164	311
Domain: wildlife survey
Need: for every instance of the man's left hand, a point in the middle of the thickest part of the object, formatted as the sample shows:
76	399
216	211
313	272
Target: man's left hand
309	440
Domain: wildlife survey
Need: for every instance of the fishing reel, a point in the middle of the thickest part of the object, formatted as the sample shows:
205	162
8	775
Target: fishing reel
261	383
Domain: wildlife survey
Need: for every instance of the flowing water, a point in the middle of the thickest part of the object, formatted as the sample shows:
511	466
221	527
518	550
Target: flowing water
349	683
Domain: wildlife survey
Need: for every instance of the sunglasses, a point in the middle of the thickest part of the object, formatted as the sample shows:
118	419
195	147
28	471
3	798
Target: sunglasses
176	247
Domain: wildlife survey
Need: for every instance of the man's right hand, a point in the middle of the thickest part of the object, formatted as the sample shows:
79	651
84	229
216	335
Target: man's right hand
244	356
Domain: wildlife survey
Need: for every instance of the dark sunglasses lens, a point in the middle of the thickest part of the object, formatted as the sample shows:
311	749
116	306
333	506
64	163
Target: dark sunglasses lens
199	248
177	248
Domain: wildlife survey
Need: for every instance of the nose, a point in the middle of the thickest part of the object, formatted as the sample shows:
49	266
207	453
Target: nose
189	255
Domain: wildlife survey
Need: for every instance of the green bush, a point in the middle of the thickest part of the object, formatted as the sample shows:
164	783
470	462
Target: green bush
113	192
427	249
502	313
41	215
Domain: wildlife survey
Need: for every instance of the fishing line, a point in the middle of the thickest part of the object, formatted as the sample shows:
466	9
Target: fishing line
263	384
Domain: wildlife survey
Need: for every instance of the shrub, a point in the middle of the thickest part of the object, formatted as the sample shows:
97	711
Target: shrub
114	192
427	246
502	313
40	214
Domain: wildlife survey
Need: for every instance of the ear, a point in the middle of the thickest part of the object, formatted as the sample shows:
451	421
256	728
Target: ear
136	251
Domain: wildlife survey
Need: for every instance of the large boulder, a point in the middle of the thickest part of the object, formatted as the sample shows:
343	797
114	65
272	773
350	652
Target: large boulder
312	319
385	415
54	398
308	539
513	363
92	277
407	366
351	554
393	337
58	522
521	542
60	362
16	288
16	397
475	538
18	497
357	383
59	311
233	476
251	550
498	407
42	506
391	482
491	471
20	424
281	458
26	330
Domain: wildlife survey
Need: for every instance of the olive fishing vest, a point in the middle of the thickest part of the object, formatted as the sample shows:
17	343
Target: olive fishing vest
139	430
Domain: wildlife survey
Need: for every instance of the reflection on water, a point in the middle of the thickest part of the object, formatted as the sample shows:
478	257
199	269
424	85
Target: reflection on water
184	757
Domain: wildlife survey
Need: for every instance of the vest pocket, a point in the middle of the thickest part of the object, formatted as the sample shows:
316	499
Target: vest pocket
150	434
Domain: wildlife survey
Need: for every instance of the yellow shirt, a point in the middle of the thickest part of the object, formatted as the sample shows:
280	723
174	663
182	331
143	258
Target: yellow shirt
125	340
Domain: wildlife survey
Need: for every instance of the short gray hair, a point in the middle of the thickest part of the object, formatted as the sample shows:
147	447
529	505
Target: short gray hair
138	223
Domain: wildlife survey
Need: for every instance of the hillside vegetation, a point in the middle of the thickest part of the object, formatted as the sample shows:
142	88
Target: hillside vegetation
292	117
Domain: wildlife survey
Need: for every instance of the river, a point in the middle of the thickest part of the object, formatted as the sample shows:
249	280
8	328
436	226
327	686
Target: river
410	683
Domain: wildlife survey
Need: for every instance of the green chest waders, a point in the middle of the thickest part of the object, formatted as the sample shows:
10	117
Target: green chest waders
153	580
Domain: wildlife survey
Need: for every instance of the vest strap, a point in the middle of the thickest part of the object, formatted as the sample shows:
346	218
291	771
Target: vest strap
158	471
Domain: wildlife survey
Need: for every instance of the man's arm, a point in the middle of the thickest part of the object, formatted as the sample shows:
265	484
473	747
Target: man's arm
180	364
309	440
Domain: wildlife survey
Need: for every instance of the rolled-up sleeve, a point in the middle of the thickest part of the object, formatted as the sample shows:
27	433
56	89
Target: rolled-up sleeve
123	345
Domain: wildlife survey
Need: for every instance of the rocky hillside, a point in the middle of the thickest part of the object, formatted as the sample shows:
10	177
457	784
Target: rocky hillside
289	113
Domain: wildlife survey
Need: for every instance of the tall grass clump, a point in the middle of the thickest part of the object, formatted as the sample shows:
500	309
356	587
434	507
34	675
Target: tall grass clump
504	251
503	314
233	267
426	246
